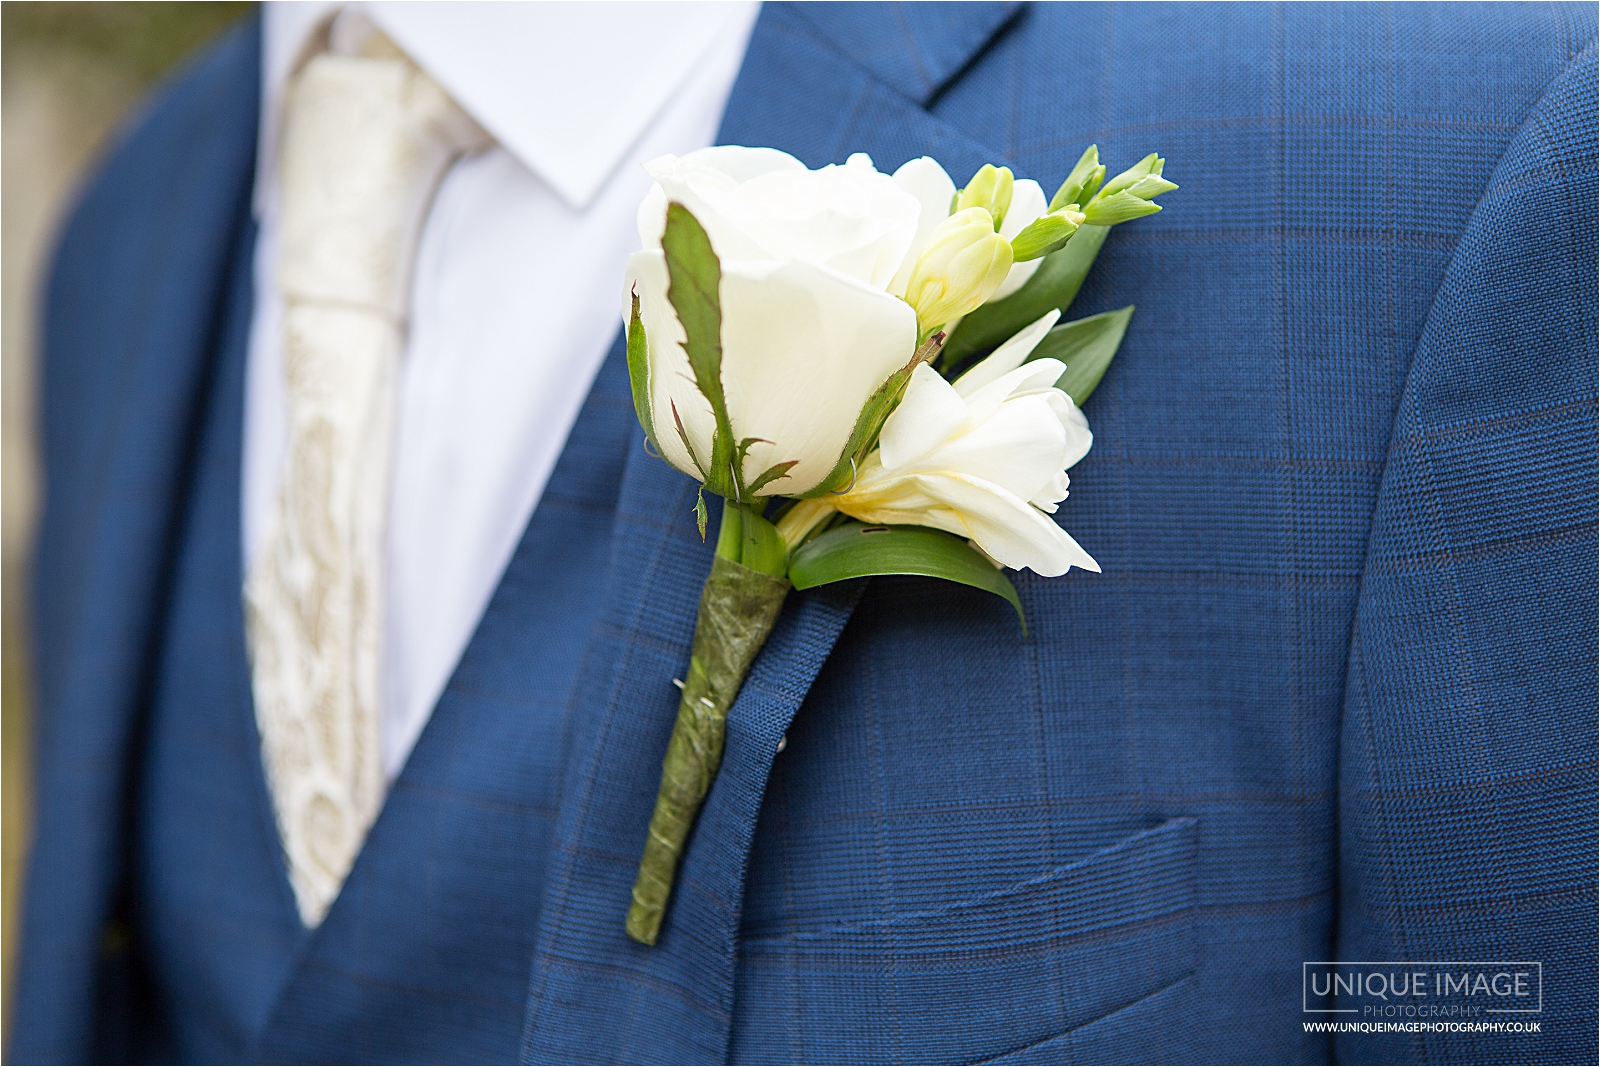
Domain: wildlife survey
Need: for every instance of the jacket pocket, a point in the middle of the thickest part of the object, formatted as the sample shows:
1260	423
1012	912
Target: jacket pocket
986	976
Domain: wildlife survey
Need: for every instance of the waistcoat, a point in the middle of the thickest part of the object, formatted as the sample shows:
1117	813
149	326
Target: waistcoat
444	896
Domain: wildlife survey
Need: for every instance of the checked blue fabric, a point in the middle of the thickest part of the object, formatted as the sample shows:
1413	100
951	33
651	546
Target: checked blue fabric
1332	699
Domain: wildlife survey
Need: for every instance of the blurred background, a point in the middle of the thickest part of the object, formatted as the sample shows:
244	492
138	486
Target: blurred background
69	74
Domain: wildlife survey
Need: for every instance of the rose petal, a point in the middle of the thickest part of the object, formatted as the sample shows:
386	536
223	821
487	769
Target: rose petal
926	180
803	347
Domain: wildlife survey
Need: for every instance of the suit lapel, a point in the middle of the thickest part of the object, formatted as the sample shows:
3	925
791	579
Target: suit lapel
819	93
823	81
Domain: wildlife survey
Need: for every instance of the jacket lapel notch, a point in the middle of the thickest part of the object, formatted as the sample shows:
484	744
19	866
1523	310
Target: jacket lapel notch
802	92
914	49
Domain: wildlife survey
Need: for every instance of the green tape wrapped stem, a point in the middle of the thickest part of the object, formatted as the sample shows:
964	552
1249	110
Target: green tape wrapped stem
738	608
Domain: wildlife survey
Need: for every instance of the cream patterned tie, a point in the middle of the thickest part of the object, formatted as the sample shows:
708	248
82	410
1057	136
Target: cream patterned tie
366	140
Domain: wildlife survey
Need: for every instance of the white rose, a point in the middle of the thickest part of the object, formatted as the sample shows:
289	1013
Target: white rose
926	180
984	458
810	324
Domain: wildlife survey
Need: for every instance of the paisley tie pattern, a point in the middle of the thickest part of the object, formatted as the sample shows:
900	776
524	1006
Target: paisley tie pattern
366	140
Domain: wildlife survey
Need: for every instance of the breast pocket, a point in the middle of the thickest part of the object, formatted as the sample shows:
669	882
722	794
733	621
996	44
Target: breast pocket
987	977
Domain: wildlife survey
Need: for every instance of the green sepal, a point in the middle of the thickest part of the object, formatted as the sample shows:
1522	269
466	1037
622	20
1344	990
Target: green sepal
771	474
766	477
1117	208
869	422
688	445
1150	187
695	289
1054	285
1091	184
1087	347
700	511
639	373
854	550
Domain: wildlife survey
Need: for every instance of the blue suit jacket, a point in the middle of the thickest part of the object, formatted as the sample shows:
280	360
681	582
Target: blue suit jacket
1333	697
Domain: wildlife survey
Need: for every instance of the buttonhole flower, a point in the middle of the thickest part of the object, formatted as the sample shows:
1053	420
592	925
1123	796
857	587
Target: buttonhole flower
984	458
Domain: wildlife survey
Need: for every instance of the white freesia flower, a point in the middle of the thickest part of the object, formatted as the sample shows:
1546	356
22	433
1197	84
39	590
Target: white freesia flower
983	458
812	322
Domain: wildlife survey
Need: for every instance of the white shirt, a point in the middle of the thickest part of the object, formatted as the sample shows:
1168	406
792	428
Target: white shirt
517	284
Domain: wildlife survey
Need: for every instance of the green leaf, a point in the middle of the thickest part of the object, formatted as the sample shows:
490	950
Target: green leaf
700	511
639	372
1053	285
1086	346
857	551
694	287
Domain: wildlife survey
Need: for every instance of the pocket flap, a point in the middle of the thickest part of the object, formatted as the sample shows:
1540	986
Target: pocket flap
996	972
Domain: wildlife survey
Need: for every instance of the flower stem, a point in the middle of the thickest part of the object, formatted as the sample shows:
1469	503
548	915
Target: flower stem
738	607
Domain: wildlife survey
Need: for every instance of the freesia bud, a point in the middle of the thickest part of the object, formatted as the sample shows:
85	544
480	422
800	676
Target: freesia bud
1149	165
1130	194
1046	234
1083	182
1152	186
964	262
1119	207
989	189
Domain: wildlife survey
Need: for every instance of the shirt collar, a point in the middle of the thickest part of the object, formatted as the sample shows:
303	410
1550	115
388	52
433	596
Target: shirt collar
566	88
